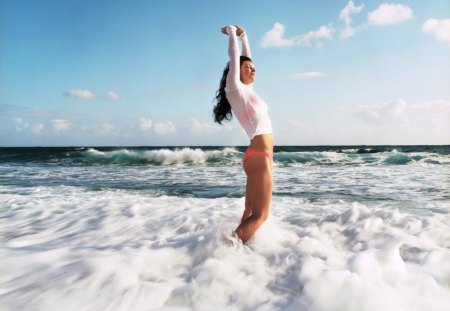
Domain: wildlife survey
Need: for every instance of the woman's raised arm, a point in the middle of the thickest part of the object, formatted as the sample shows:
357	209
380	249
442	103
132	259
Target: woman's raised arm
233	77
245	45
233	32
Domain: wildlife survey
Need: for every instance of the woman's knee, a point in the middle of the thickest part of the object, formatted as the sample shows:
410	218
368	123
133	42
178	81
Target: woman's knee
261	216
265	215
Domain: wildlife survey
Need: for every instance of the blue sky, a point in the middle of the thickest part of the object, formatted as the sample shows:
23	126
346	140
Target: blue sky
145	72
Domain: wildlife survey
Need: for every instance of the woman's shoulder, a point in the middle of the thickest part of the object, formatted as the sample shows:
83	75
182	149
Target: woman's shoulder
234	87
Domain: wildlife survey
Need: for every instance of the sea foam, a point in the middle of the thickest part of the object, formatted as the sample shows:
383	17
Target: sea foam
151	229
65	248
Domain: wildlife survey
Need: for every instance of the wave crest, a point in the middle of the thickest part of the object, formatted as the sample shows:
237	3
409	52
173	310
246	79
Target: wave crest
163	157
331	158
229	156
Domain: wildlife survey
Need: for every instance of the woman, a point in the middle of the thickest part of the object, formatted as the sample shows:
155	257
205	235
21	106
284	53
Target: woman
236	95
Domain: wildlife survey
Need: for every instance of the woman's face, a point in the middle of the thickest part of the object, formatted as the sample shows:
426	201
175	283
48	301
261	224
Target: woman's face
248	72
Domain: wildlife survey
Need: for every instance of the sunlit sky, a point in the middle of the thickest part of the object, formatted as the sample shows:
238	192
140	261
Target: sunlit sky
145	72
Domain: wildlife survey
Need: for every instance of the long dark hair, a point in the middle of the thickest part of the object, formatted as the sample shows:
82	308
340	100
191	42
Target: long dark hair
222	110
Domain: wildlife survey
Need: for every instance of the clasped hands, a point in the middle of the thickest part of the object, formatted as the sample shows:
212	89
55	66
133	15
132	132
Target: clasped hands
239	30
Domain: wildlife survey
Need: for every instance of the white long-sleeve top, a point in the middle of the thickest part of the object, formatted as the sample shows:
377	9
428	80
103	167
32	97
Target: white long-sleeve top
250	110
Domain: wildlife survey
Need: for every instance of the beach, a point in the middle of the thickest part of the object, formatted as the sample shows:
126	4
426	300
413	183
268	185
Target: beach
147	228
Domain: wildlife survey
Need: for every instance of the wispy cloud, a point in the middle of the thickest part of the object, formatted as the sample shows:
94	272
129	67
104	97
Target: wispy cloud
382	113
390	14
197	127
275	36
107	128
436	111
112	95
20	124
164	128
37	129
87	95
159	128
306	75
145	124
397	121
79	94
345	16
323	32
60	125
440	29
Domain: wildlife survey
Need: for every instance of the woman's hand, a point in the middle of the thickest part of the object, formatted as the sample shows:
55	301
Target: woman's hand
239	30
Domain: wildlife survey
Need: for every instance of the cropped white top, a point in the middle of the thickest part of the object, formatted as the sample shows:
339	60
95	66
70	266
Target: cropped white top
249	109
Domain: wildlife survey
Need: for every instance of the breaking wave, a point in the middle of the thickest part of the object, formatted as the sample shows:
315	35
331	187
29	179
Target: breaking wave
227	156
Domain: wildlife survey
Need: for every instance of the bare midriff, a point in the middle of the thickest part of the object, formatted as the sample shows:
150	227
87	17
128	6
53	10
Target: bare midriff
263	142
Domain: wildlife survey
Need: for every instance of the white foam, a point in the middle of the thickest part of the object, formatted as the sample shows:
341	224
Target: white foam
95	152
64	248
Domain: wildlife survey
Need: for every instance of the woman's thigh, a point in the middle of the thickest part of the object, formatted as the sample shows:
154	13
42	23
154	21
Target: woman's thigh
259	184
248	203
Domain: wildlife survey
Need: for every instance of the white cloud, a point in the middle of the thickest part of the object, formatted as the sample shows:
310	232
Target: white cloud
398	122
60	125
389	14
197	127
145	124
112	95
20	124
79	94
37	129
440	29
275	36
385	14
164	128
87	94
399	111
107	128
323	32
436	110
383	113
307	75
345	15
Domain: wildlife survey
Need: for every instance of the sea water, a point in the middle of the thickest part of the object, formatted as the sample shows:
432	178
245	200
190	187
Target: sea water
351	228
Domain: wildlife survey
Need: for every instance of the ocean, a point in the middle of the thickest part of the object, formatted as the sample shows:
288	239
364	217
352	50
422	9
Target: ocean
362	228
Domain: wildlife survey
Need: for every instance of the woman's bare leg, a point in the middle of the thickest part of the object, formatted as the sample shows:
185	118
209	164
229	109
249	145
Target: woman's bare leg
248	205
259	192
